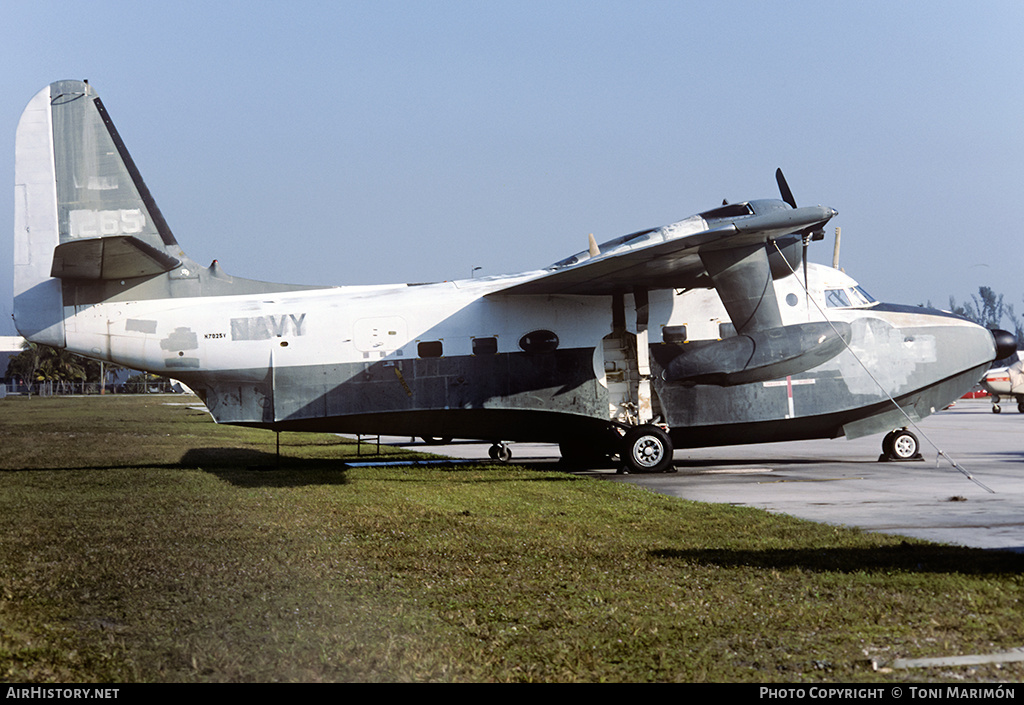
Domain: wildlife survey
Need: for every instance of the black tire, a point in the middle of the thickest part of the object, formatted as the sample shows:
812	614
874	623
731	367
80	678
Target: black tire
646	448
902	445
996	409
500	452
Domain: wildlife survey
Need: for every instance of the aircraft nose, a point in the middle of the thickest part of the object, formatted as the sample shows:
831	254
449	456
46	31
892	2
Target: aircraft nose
1006	343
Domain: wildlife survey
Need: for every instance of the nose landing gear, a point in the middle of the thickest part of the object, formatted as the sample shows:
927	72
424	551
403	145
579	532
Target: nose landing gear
900	444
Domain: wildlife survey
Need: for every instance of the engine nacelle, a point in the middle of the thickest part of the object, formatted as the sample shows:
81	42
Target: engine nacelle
761	355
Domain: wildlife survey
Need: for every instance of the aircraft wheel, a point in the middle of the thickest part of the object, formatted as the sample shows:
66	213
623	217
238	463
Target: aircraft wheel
1020	406
500	452
996	409
901	445
646	448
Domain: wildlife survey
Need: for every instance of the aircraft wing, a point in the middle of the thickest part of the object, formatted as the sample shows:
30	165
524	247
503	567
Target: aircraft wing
668	257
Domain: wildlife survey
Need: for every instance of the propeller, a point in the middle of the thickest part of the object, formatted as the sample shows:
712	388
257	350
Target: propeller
787	196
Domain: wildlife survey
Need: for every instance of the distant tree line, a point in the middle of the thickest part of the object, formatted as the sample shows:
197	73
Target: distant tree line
64	370
986	308
41	363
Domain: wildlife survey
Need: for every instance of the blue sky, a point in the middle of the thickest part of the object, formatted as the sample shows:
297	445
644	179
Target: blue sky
378	142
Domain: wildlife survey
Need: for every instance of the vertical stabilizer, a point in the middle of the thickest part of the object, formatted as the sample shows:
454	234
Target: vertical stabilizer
100	192
82	211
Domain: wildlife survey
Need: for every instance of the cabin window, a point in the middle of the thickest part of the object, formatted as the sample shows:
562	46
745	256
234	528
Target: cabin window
485	346
539	341
673	334
430	348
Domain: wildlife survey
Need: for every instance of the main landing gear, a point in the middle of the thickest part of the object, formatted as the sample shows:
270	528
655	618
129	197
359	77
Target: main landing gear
900	444
645	448
640	449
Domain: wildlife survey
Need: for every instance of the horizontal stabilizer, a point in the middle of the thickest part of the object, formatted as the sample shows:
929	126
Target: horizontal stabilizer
117	257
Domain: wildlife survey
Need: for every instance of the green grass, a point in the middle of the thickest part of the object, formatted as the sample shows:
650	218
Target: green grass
141	542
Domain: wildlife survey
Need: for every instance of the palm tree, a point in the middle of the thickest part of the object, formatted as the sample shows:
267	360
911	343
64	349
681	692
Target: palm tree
41	363
60	366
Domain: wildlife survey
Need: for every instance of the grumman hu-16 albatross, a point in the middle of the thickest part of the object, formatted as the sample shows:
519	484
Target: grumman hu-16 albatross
693	334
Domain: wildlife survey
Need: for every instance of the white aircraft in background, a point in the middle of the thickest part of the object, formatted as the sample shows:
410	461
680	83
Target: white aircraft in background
1006	383
708	331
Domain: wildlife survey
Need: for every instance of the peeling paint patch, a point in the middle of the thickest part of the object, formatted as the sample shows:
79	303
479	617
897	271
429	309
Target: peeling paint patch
133	325
180	339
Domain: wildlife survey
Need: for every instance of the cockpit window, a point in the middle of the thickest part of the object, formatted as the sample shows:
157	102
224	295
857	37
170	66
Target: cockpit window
836	298
865	299
848	298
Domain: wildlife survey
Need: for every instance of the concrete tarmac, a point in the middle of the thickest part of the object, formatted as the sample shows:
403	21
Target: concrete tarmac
842	482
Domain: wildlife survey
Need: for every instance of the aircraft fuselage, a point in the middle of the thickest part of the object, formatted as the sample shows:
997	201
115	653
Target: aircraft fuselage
448	360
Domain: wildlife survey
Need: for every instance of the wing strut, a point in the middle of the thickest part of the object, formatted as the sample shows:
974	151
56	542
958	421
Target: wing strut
743	278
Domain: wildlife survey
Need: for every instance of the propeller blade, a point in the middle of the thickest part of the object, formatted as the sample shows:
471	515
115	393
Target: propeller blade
787	195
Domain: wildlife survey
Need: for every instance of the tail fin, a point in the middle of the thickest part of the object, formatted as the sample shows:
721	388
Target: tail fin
82	211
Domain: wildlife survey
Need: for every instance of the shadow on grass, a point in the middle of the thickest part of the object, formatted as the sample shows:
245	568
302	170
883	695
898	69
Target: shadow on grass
906	557
197	458
246	467
229	463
